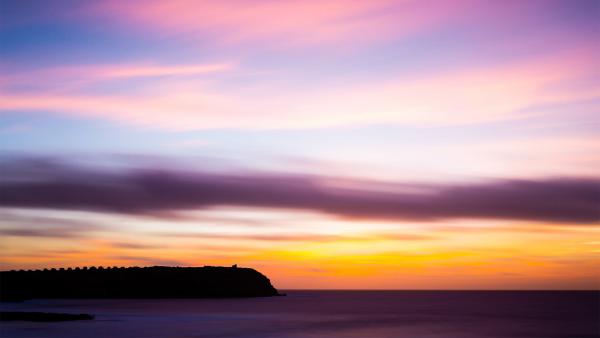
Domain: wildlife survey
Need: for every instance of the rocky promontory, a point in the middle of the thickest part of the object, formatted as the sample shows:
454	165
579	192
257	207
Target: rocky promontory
135	282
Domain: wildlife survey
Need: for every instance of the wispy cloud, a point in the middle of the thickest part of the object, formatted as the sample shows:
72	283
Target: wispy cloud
299	237
135	246
49	228
163	191
147	260
73	77
276	24
477	95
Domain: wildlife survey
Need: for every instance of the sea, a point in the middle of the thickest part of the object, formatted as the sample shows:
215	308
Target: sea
326	314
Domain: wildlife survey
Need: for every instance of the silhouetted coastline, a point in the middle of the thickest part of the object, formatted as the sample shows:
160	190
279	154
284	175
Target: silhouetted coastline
135	282
42	316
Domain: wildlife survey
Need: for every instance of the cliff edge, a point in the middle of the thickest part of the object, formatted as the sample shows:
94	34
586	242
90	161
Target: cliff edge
147	282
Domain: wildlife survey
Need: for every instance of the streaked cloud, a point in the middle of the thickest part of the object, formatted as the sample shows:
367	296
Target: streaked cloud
18	224
299	237
43	231
61	79
458	97
162	191
278	24
135	245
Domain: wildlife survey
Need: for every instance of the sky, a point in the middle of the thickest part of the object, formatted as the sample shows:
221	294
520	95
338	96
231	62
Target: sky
331	144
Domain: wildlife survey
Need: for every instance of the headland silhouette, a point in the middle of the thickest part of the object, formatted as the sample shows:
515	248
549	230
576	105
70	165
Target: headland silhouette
135	282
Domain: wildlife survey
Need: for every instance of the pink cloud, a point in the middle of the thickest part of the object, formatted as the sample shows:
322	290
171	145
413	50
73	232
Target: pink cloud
456	97
73	77
282	23
159	70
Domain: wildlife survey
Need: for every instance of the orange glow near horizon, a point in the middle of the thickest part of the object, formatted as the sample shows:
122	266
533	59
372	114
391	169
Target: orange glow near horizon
457	255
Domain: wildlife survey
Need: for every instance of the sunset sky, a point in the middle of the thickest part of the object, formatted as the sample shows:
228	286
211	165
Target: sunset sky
342	144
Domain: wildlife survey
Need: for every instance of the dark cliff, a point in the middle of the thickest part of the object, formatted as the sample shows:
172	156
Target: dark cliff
148	282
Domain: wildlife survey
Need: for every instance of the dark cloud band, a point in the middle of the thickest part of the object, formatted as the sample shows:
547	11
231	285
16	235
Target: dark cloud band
33	184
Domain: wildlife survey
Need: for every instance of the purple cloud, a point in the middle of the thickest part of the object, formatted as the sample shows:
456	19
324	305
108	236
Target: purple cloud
53	185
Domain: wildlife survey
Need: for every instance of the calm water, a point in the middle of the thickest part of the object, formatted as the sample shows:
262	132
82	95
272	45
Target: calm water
313	314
